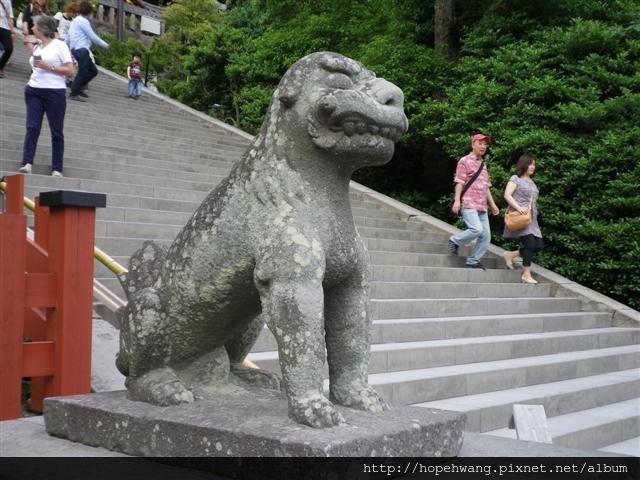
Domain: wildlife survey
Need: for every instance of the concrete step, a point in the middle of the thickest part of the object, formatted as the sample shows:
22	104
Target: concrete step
628	447
401	273
83	164
410	246
124	247
122	135
116	182
109	228
143	231
147	199
131	172
427	259
111	141
138	215
453	307
494	410
591	428
396	357
109	151
374	213
423	385
113	105
423	329
440	328
186	130
394	234
459	290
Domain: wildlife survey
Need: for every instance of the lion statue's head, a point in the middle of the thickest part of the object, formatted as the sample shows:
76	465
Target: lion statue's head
329	102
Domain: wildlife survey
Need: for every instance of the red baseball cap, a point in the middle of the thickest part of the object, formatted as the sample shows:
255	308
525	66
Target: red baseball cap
478	137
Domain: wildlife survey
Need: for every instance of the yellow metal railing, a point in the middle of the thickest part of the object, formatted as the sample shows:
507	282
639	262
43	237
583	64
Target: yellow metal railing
98	254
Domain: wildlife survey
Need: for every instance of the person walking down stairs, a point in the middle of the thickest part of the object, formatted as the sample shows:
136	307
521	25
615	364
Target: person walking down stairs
7	35
80	38
521	194
46	93
472	194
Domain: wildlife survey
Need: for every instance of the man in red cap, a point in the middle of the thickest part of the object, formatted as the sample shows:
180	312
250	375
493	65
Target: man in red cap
472	196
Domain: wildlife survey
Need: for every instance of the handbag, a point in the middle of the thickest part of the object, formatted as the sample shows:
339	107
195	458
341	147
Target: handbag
514	220
466	186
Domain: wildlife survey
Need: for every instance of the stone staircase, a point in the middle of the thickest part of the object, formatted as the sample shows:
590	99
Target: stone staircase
443	336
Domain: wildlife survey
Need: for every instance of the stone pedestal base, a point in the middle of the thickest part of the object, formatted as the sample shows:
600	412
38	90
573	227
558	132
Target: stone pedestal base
251	425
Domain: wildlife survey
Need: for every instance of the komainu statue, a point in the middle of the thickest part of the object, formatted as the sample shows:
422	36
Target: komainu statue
275	242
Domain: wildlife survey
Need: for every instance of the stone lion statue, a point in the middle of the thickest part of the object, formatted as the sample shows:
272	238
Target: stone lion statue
275	242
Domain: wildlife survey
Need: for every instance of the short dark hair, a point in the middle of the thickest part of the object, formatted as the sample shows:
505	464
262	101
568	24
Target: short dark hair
136	54
85	8
48	26
523	164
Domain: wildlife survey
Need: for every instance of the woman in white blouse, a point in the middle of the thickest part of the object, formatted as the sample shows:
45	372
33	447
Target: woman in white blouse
45	93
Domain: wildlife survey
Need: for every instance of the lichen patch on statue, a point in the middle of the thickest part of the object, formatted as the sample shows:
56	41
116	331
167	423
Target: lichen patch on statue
275	242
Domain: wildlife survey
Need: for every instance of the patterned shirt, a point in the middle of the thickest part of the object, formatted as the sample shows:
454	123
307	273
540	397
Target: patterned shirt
475	197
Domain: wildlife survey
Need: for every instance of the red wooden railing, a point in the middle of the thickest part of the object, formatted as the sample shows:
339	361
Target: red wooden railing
46	292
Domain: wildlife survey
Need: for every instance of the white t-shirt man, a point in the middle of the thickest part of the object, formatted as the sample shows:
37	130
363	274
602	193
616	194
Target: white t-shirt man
56	53
63	25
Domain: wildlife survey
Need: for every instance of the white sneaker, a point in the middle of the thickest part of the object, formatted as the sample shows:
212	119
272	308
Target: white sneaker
26	168
55	173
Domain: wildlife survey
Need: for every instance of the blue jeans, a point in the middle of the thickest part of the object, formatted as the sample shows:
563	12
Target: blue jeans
477	229
86	70
135	87
53	102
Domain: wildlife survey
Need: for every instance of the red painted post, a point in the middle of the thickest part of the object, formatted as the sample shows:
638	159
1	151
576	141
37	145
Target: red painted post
13	224
70	249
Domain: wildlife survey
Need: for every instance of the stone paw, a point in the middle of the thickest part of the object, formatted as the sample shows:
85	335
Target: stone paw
160	387
257	377
316	411
363	397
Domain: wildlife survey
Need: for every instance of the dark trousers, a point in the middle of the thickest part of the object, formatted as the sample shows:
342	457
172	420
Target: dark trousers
7	44
53	102
530	246
86	70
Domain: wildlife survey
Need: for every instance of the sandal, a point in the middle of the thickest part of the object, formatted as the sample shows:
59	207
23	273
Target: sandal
528	280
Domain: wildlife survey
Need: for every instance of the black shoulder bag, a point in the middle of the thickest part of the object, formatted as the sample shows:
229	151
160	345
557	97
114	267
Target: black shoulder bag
466	187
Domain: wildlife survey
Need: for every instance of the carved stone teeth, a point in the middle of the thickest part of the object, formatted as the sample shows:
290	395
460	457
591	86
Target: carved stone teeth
349	128
373	129
361	127
384	131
